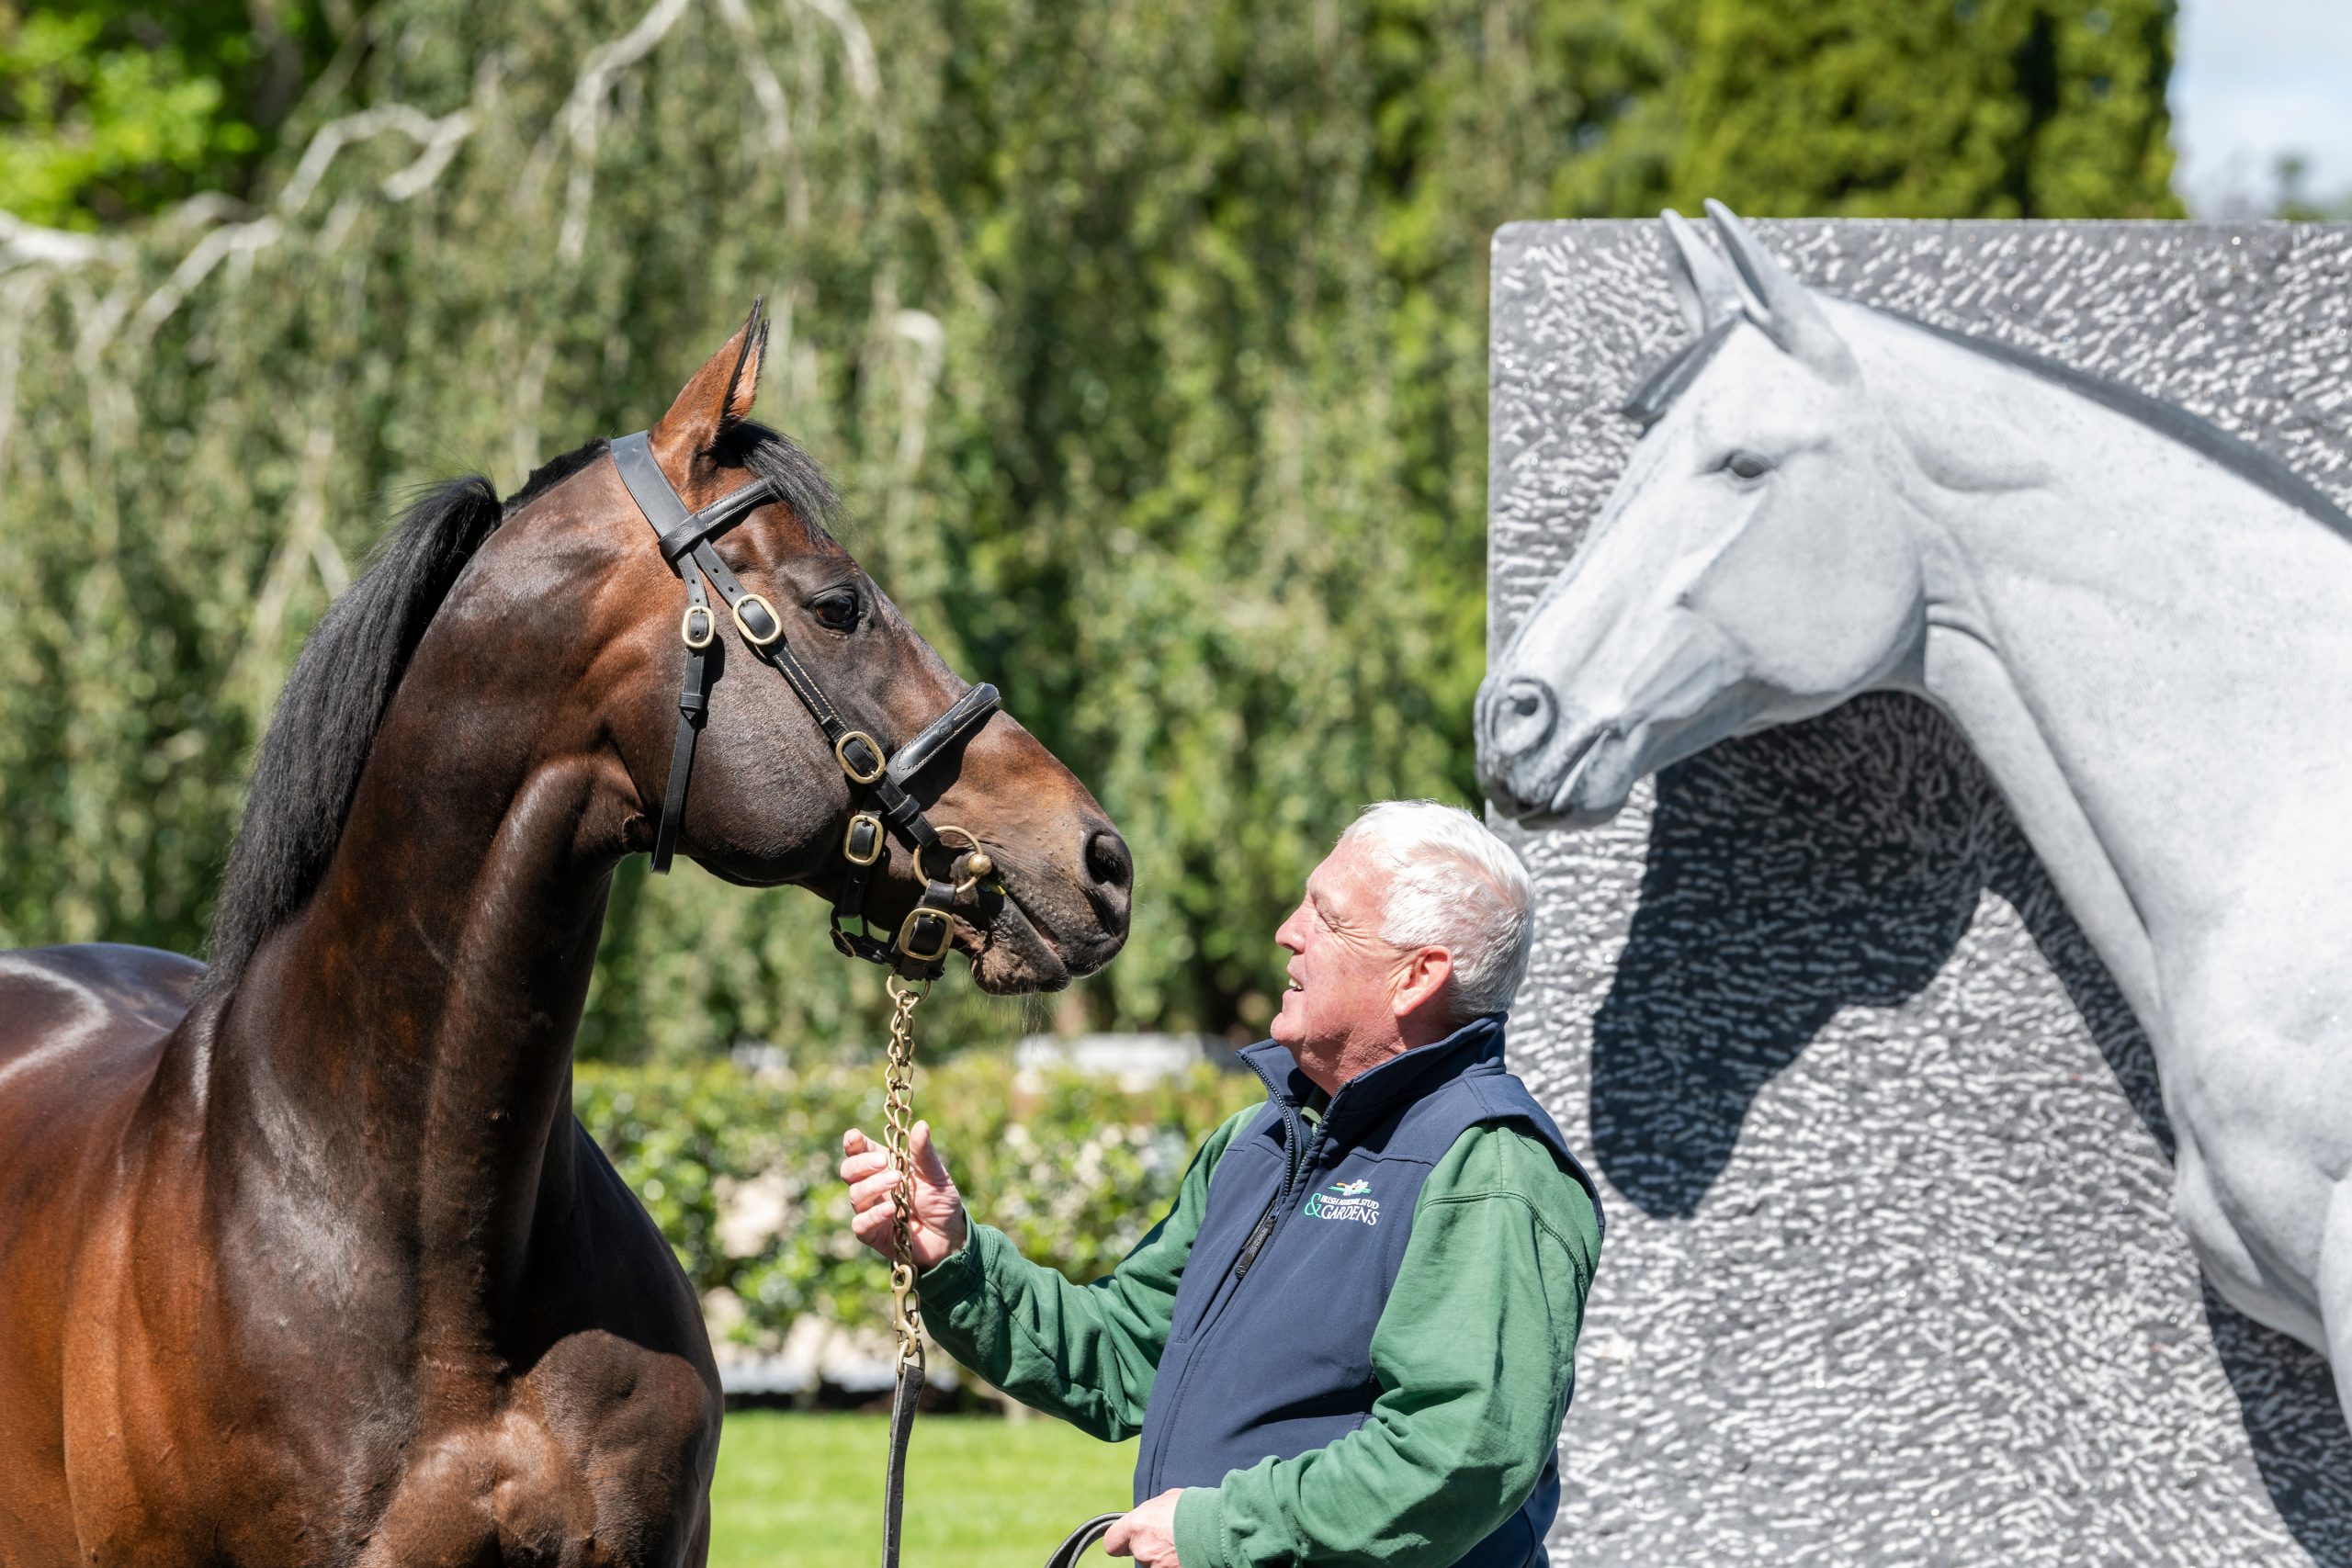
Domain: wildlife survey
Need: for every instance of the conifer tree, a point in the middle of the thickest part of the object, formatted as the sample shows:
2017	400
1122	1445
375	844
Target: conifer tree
1958	108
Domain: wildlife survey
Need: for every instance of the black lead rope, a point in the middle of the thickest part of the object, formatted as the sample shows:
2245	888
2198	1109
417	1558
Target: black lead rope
883	809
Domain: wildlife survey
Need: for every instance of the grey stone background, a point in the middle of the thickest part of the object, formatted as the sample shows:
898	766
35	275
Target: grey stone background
1890	1274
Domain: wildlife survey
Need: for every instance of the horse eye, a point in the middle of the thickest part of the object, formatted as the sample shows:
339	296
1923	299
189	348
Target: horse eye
837	610
1748	465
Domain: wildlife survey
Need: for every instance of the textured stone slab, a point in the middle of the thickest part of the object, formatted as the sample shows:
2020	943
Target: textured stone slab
1891	1274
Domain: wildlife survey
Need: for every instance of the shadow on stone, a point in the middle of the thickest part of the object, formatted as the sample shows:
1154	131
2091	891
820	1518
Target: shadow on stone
1790	875
2295	1426
1838	863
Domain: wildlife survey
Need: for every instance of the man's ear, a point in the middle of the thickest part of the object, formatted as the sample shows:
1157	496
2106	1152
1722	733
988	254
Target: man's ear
714	400
1422	981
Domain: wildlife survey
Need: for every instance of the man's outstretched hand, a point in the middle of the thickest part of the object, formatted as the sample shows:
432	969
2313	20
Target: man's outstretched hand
1149	1534
937	1229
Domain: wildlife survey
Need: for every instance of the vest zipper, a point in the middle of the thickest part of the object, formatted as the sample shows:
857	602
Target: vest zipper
1260	1233
1264	1228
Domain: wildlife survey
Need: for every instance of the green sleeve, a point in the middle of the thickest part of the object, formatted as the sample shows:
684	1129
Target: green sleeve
1085	1353
1475	1354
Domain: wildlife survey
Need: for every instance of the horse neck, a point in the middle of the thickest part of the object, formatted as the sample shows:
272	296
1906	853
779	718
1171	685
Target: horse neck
2105	612
402	1049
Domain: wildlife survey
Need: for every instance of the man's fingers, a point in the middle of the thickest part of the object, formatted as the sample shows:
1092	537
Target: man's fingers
928	1165
1119	1541
872	1226
855	1143
857	1167
874	1188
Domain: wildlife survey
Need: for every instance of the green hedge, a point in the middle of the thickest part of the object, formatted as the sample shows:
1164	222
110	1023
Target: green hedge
1070	1165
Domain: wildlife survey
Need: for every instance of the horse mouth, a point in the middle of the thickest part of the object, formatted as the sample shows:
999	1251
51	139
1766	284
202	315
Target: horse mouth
1013	950
1571	801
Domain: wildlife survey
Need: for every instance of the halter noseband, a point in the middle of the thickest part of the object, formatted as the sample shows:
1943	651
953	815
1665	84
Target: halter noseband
918	950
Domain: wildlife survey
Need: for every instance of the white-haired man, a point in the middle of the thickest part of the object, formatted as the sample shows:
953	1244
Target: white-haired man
1352	1339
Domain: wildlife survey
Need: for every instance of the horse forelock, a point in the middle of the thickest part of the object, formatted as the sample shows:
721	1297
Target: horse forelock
1658	389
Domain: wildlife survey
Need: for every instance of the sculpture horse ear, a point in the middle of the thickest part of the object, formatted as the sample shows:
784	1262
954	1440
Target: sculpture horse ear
1790	315
1703	285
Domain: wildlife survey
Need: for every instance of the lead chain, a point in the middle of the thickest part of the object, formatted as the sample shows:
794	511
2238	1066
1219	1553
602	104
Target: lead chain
897	1083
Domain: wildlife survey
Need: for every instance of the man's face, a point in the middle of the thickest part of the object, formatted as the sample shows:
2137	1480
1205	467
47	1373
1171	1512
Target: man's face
1341	973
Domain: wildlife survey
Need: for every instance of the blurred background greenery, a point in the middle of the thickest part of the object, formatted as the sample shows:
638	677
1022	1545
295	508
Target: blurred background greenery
1147	339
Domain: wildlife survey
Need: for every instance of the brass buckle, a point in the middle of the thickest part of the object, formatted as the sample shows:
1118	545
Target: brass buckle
906	934
841	755
980	866
736	610
686	623
866	820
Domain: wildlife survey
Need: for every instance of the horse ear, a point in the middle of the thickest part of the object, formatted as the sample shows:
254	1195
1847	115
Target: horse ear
1792	317
718	396
1703	287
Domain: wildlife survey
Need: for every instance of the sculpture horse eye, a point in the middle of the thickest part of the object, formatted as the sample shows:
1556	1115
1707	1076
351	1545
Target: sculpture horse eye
1747	466
837	611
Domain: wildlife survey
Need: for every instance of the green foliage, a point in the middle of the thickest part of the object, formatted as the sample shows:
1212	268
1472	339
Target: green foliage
1070	1167
1148	339
110	108
1962	109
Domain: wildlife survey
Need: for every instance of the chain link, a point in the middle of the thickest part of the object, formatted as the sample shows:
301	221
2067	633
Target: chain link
898	1111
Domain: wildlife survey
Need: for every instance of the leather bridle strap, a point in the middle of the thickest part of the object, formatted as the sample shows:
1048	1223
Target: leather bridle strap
920	945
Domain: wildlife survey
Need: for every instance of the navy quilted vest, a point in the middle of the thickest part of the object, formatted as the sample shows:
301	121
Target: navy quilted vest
1270	1348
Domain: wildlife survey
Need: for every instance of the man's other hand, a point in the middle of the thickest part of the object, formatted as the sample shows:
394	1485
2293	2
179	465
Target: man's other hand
1149	1534
937	1229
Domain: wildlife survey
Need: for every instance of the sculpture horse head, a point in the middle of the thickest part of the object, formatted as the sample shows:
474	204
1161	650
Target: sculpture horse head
1746	570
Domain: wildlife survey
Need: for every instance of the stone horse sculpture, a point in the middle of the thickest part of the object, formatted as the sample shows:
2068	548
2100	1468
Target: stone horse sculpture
2142	625
303	1259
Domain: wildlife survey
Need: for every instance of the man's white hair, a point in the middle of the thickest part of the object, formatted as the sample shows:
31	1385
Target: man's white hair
1453	884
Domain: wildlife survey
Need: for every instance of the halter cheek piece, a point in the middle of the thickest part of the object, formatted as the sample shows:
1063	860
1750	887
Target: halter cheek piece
882	806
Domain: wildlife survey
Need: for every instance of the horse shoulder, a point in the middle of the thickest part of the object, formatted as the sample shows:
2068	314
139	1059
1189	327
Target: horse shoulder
601	1448
82	1033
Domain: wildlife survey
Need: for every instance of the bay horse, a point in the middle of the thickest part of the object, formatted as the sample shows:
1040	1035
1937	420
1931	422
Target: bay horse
303	1257
2142	625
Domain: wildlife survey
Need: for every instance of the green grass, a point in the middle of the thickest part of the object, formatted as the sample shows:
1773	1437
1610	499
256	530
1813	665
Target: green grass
806	1491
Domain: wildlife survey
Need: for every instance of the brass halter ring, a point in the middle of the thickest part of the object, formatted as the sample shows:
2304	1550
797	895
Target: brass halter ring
687	626
978	866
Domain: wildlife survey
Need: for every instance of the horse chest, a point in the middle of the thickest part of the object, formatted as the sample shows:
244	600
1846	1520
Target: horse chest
599	1456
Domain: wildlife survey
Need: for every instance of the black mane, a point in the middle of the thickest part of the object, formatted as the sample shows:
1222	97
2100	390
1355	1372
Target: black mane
320	737
325	725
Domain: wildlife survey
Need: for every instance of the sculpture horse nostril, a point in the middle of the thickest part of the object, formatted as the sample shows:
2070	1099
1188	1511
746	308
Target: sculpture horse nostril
1521	717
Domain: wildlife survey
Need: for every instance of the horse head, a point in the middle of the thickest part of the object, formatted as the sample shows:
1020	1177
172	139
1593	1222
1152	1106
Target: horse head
1746	570
770	799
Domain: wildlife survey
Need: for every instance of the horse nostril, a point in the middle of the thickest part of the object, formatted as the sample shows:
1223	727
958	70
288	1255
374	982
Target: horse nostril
1522	719
1108	860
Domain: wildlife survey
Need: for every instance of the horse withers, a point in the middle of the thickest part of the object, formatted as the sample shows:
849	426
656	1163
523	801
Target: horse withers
2140	623
303	1259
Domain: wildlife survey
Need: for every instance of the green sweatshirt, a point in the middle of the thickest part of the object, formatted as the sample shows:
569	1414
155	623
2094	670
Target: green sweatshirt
1502	1251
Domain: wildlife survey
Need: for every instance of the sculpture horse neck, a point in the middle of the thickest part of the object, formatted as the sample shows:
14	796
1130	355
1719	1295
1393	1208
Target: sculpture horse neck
2103	611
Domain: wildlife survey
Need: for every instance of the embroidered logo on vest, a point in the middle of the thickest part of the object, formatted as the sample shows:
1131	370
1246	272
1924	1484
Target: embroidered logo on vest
1345	1201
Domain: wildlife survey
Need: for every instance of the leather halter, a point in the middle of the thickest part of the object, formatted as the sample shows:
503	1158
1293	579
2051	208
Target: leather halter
918	950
